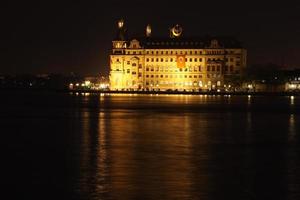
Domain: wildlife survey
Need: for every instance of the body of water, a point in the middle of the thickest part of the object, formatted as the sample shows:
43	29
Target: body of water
114	146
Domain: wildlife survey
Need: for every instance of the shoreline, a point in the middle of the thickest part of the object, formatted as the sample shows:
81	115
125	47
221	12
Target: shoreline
150	92
188	93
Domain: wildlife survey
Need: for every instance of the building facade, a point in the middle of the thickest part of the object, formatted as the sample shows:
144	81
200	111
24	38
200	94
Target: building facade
174	62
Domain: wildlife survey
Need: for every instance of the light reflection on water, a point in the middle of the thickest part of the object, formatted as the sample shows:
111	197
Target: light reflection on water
162	146
174	147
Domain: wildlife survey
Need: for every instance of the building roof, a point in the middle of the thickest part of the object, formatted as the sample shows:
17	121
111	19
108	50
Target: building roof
190	43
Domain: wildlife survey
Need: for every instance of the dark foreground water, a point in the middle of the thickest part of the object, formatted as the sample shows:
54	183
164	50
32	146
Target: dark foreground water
68	146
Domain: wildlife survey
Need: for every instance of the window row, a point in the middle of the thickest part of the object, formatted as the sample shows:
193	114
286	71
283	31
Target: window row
218	68
171	60
176	69
186	83
174	52
173	76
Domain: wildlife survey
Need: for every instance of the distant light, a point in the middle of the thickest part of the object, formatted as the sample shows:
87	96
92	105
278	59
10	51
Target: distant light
87	83
77	84
292	86
292	100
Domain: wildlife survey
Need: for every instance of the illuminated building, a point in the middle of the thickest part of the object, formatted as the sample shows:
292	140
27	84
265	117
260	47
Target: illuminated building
174	62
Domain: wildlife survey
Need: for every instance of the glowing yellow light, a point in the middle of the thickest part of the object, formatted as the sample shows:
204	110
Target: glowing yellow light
121	23
292	100
292	86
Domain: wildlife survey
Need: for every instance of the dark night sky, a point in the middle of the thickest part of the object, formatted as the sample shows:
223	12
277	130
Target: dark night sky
63	37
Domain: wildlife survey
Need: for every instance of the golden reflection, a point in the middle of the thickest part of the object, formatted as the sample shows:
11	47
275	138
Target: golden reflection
157	148
292	99
85	151
249	99
292	131
102	172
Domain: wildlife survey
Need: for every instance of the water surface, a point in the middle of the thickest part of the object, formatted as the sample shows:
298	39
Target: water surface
91	146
